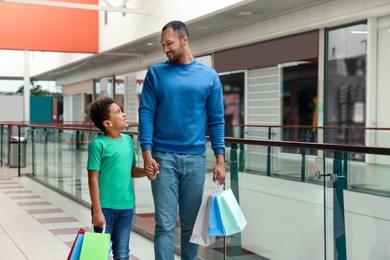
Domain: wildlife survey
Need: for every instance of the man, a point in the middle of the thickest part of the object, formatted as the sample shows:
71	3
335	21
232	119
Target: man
180	98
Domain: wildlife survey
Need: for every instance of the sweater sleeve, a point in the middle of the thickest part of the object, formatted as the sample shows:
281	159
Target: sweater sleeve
147	112
215	117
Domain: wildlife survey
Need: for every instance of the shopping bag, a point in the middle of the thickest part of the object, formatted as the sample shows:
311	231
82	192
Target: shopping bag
96	246
75	251
215	221
201	227
231	214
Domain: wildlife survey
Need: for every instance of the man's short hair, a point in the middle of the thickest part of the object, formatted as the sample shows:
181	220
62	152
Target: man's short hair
178	27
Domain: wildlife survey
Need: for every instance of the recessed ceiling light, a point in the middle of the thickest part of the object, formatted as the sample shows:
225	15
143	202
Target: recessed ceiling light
150	43
359	32
245	13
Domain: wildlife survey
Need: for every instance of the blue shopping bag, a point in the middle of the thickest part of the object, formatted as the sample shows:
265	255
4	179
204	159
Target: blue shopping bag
75	251
215	221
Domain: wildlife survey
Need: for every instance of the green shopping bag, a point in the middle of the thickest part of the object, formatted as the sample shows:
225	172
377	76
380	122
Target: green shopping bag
96	246
232	217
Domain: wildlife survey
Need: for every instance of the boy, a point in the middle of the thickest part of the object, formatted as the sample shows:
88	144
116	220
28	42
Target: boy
111	164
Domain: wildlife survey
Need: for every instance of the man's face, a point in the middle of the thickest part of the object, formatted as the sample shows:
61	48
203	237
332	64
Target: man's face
173	45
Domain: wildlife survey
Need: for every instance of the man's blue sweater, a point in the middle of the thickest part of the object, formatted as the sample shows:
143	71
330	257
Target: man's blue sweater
178	101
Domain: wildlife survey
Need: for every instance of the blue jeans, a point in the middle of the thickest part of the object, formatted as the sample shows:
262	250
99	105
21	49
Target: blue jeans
180	185
118	224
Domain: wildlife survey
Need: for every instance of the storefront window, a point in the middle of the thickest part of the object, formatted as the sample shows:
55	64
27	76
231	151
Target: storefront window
345	85
233	98
299	98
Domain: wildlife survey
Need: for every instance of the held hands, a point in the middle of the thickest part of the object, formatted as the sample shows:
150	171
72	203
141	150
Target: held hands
151	171
151	167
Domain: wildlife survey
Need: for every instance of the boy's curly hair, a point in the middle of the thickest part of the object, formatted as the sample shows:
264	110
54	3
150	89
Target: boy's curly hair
100	111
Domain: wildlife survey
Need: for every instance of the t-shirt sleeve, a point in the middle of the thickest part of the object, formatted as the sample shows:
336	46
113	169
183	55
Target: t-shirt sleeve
94	156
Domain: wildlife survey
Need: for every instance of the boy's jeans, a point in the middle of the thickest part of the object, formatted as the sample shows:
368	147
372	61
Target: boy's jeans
179	183
118	224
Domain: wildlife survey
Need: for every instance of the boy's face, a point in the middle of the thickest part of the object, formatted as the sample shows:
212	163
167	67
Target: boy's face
117	119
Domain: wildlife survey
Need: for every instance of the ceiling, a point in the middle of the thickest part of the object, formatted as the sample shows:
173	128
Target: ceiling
223	20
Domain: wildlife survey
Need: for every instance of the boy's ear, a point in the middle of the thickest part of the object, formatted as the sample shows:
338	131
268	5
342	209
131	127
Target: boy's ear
106	123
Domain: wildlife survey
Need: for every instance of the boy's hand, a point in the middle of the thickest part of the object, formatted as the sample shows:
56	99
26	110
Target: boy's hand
98	219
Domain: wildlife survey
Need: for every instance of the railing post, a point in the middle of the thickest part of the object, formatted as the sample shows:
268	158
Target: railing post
9	145
78	165
241	163
303	165
60	163
46	155
269	153
235	242
19	152
78	146
33	150
340	249
1	145
345	168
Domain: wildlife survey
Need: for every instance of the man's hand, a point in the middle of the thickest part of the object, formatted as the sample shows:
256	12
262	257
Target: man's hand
219	172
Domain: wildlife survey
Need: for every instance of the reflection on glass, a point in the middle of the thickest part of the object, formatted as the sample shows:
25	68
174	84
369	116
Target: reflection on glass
346	86
299	97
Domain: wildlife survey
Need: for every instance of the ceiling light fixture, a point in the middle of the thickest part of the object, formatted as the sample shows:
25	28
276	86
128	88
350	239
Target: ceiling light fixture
150	43
359	32
65	4
245	13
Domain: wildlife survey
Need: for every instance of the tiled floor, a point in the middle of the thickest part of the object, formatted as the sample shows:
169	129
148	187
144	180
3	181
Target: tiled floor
39	223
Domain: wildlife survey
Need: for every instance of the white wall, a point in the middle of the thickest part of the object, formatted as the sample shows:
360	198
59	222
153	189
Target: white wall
123	29
286	220
12	109
382	98
11	63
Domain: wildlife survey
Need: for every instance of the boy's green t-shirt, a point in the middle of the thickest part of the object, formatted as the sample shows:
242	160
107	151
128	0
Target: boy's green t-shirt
114	160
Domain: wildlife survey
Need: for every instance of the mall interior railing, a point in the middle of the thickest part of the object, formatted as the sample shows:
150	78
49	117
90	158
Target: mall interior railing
302	199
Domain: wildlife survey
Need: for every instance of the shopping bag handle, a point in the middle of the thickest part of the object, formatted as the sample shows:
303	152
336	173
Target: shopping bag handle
219	187
103	231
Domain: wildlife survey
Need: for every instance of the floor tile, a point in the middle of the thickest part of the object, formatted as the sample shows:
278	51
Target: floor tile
38	223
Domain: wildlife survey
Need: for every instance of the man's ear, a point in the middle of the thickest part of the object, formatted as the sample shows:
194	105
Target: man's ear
185	39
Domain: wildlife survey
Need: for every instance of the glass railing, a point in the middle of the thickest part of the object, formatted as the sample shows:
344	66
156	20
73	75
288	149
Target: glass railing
302	199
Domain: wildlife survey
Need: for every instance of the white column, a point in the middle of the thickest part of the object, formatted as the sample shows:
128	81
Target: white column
322	60
371	84
26	95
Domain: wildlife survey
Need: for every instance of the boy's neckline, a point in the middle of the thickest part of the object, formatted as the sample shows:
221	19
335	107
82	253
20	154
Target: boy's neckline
119	137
